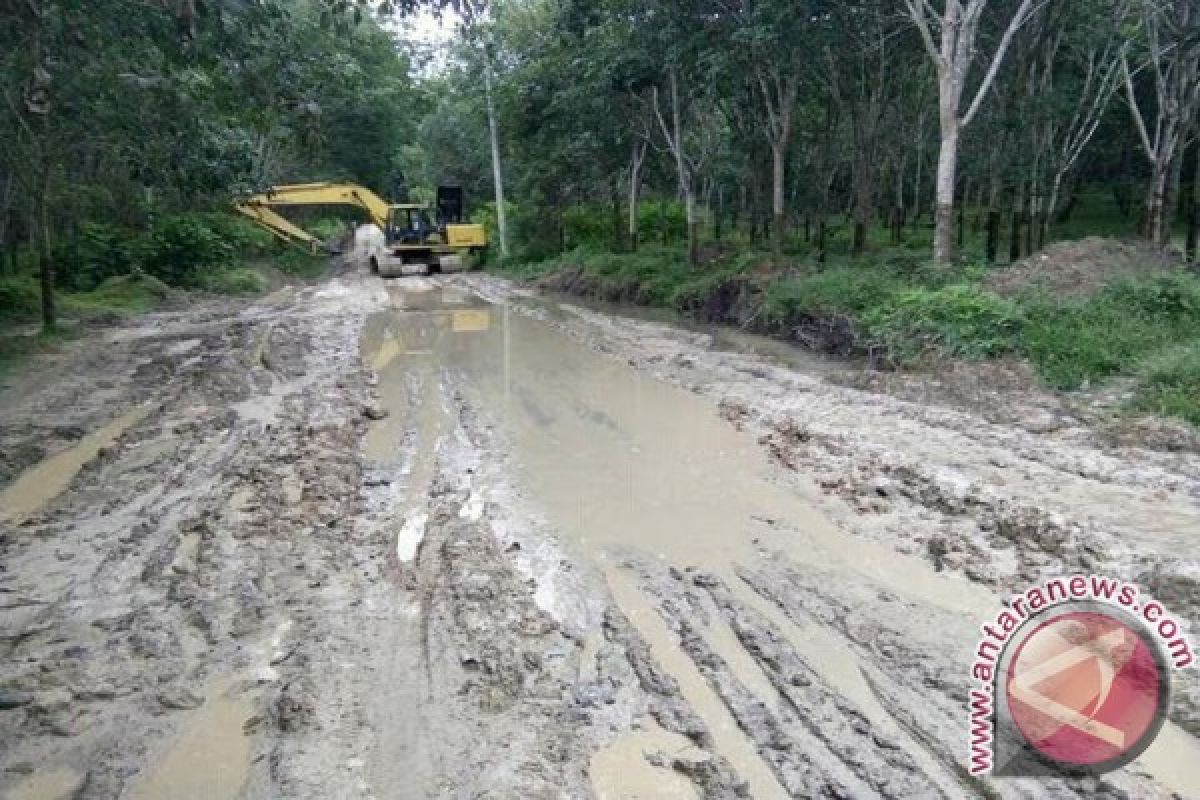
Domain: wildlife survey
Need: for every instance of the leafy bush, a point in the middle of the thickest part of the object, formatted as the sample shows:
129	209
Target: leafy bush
327	229
181	250
96	253
246	238
1170	384
659	221
588	225
960	320
20	298
842	290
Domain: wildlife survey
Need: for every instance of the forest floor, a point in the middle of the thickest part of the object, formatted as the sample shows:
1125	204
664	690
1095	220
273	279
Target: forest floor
453	538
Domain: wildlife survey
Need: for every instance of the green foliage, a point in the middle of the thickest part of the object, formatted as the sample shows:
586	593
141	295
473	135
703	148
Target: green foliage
247	239
843	290
1170	384
909	308
959	320
1079	342
97	253
662	221
327	229
182	249
20	298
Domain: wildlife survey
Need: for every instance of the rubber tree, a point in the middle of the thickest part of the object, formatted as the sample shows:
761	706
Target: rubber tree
770	40
950	36
1171	55
669	114
30	102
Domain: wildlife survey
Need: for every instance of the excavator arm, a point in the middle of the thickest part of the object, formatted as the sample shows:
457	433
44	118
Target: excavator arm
260	207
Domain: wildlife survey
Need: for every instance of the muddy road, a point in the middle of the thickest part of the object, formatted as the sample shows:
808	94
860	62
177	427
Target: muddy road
447	538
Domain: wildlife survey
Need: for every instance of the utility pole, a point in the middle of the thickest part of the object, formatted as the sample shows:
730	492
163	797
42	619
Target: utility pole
497	172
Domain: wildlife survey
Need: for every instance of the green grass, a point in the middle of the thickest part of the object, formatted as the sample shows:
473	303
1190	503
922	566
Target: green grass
1077	343
1169	384
901	305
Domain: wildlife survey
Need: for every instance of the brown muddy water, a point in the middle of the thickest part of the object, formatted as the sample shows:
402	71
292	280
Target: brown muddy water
44	481
628	467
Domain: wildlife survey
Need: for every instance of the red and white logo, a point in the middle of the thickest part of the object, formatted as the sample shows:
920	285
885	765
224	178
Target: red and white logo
1085	689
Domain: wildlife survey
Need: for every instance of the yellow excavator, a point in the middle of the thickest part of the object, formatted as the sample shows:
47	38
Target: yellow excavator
417	239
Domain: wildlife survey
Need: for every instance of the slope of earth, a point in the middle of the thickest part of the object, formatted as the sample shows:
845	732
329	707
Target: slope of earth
444	538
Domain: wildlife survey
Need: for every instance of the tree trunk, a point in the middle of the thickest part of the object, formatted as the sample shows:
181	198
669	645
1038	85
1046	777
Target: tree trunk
45	264
860	237
1193	255
821	238
497	172
962	223
944	250
993	235
1156	226
916	204
618	227
635	188
1014	235
778	153
718	213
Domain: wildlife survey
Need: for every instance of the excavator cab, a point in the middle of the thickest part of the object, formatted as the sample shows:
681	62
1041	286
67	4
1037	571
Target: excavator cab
450	205
410	225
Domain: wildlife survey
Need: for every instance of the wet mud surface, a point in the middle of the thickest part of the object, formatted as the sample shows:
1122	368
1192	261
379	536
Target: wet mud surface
445	538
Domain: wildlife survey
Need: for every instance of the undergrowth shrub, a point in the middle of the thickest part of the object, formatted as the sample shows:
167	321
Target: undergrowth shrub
960	320
20	298
181	250
1076	342
246	238
96	253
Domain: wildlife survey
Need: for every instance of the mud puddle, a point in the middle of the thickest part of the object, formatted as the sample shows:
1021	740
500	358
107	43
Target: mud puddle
211	757
637	473
41	483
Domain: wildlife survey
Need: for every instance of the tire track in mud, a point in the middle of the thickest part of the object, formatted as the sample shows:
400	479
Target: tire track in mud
176	556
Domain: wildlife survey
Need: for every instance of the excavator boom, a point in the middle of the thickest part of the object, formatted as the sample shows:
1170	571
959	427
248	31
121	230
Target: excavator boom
325	194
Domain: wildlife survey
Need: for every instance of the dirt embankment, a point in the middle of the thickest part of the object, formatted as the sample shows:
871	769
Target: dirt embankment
1081	268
